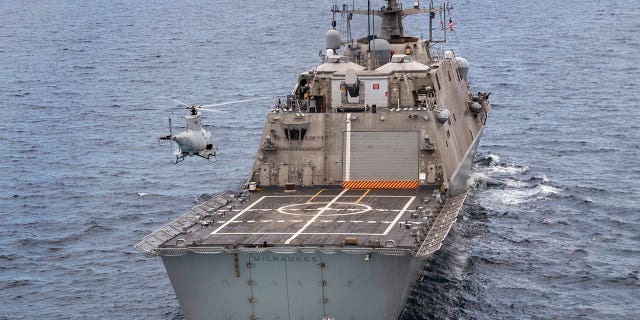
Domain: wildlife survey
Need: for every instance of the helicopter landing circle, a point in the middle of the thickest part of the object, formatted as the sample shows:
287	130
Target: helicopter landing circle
312	208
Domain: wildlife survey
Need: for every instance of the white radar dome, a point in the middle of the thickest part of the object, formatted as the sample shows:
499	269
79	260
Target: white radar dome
463	66
333	39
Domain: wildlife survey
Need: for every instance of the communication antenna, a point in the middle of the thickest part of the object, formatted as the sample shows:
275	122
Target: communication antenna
368	24
334	10
345	8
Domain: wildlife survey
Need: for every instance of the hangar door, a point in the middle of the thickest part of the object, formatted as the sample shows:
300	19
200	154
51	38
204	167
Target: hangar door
380	156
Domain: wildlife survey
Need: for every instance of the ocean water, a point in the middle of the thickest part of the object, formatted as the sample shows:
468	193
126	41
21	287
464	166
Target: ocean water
550	231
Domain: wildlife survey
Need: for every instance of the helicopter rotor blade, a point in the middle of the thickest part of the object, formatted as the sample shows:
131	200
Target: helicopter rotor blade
231	102
211	110
176	101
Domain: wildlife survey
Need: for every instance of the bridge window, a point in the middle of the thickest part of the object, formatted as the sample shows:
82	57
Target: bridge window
295	134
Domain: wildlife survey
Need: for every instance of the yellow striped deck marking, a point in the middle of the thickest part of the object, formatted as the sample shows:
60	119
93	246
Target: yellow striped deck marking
363	195
380	184
315	195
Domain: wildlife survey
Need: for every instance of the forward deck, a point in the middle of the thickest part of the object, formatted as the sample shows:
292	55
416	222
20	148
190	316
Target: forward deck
414	221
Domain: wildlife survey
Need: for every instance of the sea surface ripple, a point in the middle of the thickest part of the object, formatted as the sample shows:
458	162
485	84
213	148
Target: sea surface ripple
549	231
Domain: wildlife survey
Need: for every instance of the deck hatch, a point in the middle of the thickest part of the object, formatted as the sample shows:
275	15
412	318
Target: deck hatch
380	156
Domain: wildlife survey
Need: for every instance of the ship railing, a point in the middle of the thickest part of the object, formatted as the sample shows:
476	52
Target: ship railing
152	242
180	251
438	55
208	250
291	104
437	230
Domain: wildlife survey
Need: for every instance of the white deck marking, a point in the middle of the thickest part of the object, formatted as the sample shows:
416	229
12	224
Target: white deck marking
325	209
399	215
384	196
345	233
347	149
330	196
237	215
316	216
312	233
292	196
252	233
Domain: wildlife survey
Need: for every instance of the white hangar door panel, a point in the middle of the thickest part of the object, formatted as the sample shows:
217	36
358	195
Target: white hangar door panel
380	156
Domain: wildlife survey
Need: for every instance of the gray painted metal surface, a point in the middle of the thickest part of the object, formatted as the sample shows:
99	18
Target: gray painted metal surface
384	155
292	286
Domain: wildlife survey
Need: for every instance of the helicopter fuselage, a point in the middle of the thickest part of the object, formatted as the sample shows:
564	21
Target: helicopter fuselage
194	141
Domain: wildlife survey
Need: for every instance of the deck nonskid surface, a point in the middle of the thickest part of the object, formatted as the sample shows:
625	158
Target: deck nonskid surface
316	217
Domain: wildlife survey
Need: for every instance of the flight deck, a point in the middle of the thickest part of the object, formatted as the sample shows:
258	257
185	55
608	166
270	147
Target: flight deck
312	217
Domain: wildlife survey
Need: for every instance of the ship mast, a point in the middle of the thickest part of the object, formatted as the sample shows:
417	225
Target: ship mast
391	28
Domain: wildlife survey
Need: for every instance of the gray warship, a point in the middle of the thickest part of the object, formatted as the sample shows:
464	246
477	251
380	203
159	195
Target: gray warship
358	177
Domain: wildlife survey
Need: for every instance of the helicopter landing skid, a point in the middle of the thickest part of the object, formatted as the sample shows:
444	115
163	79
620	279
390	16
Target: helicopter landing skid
209	158
181	158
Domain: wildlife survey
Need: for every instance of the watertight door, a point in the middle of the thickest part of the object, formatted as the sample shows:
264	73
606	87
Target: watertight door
306	285
268	287
286	286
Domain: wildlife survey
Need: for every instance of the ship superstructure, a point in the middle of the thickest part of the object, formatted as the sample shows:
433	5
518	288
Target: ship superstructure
359	175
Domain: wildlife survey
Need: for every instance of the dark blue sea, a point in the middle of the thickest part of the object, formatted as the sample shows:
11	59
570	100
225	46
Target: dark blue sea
550	231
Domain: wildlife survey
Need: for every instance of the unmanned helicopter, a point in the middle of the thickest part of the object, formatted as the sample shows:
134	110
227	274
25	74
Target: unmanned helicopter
195	140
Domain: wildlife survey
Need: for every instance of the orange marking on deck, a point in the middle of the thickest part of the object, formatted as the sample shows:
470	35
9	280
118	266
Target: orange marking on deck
380	184
315	195
363	195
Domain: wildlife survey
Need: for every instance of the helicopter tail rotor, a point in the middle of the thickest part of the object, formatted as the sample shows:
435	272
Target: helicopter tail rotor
170	136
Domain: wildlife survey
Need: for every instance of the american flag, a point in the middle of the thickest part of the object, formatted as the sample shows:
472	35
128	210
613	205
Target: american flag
450	24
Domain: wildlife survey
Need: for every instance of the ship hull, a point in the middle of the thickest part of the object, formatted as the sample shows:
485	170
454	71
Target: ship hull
292	286
460	176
